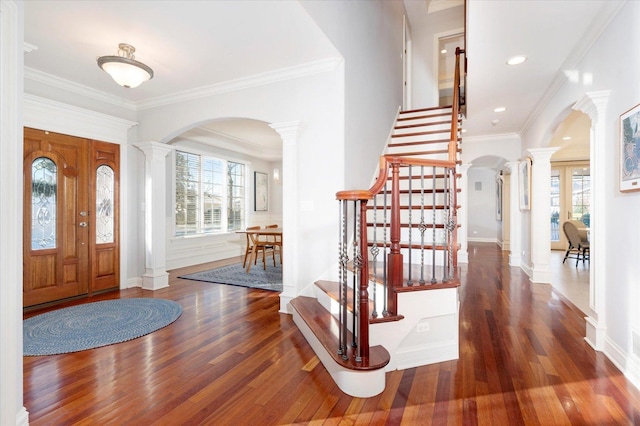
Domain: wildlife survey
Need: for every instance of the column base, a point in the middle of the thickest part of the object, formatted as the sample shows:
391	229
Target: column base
155	281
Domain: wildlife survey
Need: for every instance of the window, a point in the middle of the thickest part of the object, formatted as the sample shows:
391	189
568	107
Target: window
210	195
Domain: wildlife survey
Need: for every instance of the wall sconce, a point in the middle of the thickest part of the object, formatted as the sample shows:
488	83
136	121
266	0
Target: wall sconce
276	175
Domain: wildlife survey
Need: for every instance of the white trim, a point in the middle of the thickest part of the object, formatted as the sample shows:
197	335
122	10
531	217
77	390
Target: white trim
290	134
73	87
296	71
12	411
289	73
594	104
45	114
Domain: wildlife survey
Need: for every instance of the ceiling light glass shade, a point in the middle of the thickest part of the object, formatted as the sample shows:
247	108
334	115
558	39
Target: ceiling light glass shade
124	69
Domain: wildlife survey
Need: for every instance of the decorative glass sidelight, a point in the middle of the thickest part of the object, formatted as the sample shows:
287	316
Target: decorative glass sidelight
44	188
105	183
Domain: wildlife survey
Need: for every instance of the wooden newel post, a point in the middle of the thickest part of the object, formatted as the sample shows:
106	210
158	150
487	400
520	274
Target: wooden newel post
363	291
395	256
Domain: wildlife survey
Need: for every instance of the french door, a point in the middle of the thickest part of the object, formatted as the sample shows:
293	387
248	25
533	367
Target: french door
71	223
570	199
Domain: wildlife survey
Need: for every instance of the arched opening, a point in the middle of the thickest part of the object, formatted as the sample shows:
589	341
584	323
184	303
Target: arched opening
213	170
488	200
570	201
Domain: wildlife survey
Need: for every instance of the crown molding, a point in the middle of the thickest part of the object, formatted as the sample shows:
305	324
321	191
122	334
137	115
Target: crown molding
289	73
70	86
297	71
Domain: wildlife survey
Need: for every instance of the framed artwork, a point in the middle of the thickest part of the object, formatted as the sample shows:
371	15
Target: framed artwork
260	192
499	199
630	150
524	179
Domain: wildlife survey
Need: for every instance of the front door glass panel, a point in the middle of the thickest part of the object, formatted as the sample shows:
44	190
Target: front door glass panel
105	226
44	191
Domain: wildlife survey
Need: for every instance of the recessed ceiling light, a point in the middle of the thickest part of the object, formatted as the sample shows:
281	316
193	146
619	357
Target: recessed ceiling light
516	60
566	138
500	109
443	51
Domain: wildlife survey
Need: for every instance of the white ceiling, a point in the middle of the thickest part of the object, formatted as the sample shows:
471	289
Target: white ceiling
197	44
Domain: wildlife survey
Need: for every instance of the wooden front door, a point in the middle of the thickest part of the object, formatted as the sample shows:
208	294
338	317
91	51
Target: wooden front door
71	244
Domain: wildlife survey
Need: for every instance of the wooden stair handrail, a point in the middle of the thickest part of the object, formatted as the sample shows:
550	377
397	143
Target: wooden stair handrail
385	162
455	110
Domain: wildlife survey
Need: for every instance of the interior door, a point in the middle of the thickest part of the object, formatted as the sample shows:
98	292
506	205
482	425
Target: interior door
69	184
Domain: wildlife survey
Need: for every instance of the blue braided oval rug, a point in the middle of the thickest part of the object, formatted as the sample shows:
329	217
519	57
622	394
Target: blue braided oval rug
92	325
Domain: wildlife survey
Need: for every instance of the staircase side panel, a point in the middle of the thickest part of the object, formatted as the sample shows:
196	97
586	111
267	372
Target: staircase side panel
429	332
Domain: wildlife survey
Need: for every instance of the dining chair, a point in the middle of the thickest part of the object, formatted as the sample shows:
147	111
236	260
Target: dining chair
276	240
260	244
578	248
249	244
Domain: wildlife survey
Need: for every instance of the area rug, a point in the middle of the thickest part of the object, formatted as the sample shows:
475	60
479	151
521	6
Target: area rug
92	325
235	274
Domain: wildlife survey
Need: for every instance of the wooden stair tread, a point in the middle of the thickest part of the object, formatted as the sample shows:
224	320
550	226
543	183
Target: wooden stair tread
331	288
410	111
325	328
429	123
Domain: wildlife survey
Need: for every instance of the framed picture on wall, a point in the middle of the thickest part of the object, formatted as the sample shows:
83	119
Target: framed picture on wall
524	179
630	150
260	192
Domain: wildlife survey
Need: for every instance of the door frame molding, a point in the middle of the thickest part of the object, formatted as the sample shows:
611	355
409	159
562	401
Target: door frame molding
45	114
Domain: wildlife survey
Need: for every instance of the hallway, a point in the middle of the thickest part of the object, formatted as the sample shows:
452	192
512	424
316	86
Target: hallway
233	359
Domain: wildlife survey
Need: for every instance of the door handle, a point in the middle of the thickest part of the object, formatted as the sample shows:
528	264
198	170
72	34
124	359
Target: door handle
83	224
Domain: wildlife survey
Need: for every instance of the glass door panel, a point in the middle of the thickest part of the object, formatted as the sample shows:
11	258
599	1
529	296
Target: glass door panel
581	194
555	205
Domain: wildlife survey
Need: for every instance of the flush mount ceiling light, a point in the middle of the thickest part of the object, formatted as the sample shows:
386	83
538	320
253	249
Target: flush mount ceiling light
516	60
124	68
500	109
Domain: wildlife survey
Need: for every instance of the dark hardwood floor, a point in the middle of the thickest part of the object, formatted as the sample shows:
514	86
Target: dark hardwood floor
233	359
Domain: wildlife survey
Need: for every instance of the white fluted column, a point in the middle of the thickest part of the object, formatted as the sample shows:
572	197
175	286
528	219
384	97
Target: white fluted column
515	216
463	253
594	104
290	133
540	222
155	207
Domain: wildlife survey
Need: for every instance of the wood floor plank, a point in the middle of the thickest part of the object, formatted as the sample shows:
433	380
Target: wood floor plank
233	359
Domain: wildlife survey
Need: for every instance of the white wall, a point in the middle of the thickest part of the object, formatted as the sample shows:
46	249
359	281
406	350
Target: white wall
369	36
610	66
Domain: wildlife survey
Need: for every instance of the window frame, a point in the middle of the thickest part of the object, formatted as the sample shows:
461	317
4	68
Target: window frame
224	209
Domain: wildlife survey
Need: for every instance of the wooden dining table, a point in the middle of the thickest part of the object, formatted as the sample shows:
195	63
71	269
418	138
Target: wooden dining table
257	233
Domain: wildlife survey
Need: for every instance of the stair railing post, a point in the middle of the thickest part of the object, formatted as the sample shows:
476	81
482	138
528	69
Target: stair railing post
395	256
363	291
